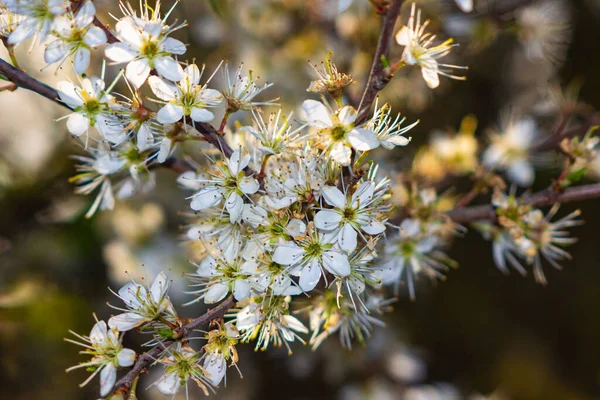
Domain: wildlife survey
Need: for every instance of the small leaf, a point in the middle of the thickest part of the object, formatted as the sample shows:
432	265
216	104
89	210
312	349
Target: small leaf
577	175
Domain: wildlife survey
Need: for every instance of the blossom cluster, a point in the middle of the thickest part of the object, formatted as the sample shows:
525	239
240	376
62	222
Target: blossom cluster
297	210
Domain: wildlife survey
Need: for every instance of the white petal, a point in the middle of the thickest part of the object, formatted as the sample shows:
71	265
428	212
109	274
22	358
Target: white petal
296	227
129	33
165	150
210	96
310	277
216	366
364	194
294	324
193	74
55	51
317	114
169	68
77	124
169	114
431	76
235	206
168	384
95	36
137	72
341	153
201	115
249	185
206	198
162	89
69	94
82	60
126	321
23	31
144	138
403	36
362	139
347	239
465	5
327	220
173	46
241	289
347	115
237	163
126	358
120	52
216	292
108	376
131	292
85	15
287	254
159	287
373	227
333	196
521	172
336	263
98	333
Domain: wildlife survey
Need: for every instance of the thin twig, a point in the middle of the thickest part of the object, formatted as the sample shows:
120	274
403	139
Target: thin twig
378	78
144	361
542	198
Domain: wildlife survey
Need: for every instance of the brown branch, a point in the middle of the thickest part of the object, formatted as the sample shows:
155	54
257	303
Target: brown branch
542	198
378	78
145	360
554	140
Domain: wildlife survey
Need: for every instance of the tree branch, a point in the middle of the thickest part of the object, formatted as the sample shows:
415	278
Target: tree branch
378	78
145	360
543	198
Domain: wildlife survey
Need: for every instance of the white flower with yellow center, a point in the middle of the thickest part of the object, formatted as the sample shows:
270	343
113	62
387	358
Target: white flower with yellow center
419	50
509	151
311	256
186	98
38	16
75	36
228	182
144	45
351	215
91	106
338	132
106	349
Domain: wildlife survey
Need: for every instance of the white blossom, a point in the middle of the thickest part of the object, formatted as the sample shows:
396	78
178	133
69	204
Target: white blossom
419	50
38	17
75	37
105	347
338	132
145	45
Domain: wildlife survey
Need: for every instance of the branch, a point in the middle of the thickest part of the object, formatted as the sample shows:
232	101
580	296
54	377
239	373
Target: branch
144	361
378	78
542	198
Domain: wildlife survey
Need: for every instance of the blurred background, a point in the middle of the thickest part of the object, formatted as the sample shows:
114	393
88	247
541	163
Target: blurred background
478	335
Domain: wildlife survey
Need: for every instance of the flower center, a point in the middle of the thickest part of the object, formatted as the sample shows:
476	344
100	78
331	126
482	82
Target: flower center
150	49
338	133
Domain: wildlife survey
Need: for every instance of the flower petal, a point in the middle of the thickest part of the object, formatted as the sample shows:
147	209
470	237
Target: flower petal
201	115
249	185
347	239
288	254
206	198
77	124
169	68
310	276
241	289
137	72
169	114
341	154
172	46
336	263
126	321
362	139
120	52
108	377
333	196
95	36
216	292
126	358
317	114
55	51
327	220
82	60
